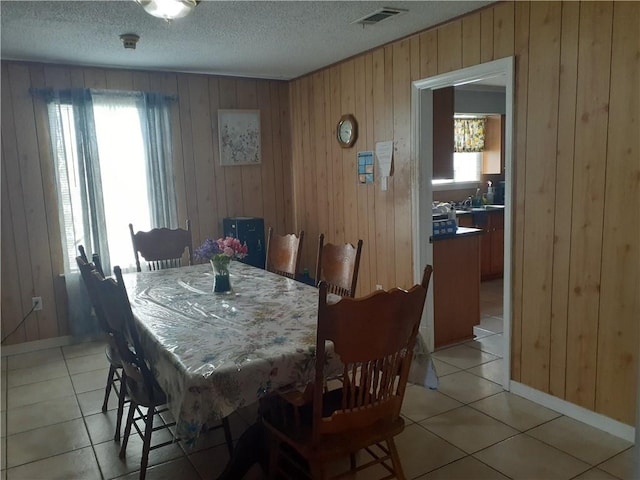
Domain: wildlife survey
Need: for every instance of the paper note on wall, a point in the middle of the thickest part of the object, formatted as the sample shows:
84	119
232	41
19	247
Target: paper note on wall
384	153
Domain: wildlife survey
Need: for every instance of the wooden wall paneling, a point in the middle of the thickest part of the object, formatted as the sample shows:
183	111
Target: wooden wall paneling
47	169
428	53
450	47
251	174
76	75
233	174
296	161
218	180
284	140
95	78
119	80
279	215
322	135
207	219
503	31
521	47
285	122
267	168
337	235
594	57
471	40
402	163
12	303
540	182
168	84
380	198
57	77
141	82
18	222
363	209
486	35
369	248
564	192
349	158
33	195
330	146
188	156
316	124
618	329
309	193
390	228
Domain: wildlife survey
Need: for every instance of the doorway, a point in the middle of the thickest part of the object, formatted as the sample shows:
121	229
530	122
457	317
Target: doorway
496	72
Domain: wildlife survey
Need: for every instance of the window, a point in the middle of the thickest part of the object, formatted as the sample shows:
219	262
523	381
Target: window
469	136
107	171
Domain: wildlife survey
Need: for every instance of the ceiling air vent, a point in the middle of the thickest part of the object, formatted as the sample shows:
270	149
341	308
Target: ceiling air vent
379	15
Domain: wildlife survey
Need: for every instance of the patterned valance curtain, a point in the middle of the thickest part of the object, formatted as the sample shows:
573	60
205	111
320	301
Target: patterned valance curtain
469	134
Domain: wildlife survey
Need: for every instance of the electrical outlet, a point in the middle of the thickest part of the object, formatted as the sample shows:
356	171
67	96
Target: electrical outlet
36	303
378	287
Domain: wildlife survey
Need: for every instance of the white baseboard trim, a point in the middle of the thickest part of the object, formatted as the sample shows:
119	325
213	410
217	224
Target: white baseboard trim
43	344
597	420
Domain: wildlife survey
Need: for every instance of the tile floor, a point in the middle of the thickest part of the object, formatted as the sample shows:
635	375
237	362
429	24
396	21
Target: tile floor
53	428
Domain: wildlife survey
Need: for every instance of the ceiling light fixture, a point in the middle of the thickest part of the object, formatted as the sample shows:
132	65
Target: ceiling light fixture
168	9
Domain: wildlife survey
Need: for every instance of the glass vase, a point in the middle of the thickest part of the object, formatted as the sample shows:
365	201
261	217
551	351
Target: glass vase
221	278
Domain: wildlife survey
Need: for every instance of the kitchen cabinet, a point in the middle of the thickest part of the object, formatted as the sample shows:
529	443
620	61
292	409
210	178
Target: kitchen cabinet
491	242
456	286
443	133
493	154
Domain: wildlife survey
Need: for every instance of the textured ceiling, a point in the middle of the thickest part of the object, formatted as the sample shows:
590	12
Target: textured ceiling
263	39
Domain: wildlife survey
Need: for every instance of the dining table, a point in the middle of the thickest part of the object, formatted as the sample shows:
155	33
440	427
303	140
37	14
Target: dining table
214	353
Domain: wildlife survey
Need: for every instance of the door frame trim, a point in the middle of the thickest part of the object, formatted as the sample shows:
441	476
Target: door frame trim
422	190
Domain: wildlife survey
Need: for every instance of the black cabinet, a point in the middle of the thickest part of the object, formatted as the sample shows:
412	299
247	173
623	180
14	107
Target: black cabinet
249	230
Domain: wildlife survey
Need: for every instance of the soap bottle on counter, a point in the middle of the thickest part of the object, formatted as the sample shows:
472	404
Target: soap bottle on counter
490	194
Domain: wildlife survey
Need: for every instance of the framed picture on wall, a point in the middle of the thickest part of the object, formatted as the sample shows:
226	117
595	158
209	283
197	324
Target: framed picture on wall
239	137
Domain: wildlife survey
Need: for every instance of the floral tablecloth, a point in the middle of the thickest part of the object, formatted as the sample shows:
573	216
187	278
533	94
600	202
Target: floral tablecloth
215	353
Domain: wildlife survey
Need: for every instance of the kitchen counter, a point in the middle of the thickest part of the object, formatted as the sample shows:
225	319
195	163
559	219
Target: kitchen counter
456	284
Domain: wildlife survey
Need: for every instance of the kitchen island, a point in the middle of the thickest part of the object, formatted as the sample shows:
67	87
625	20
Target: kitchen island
456	285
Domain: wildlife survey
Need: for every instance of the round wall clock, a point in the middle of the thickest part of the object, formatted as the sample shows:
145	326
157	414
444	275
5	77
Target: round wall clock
347	131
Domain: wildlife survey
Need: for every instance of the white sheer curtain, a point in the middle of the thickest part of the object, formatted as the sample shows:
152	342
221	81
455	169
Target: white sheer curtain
113	164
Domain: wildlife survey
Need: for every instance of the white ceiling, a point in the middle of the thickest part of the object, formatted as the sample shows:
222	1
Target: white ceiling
261	39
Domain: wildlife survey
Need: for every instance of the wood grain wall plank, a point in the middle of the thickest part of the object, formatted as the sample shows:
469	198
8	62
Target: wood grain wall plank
618	326
322	135
540	182
251	174
119	80
503	29
563	204
13	330
267	180
592	105
279	214
428	53
521	47
362	208
207	219
486	35
47	170
471	40
232	175
32	191
306	173
450	46
349	160
337	232
286	139
390	224
369	237
187	154
402	237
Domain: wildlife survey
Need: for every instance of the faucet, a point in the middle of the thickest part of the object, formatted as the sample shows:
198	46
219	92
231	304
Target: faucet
467	203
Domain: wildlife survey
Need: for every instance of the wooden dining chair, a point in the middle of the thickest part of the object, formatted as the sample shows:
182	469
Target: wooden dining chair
283	253
162	247
142	386
114	376
373	337
338	266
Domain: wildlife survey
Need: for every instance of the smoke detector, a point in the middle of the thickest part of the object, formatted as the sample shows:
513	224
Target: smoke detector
379	15
129	40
